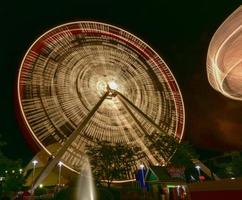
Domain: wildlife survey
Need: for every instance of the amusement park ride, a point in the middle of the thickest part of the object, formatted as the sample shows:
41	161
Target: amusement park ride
84	81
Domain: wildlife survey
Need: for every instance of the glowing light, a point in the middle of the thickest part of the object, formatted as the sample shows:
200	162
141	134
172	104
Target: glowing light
224	67
41	186
198	167
171	186
141	166
60	163
35	162
101	86
59	174
113	85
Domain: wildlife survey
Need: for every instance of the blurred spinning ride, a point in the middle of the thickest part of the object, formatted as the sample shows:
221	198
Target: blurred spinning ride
83	82
224	60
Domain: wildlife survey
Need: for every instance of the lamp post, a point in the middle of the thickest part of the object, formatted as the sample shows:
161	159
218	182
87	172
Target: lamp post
142	172
198	170
59	174
35	162
143	178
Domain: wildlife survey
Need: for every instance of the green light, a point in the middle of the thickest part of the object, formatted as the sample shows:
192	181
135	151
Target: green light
171	186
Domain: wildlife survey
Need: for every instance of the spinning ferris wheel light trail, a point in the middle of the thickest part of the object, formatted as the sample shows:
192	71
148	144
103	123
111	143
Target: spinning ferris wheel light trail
124	99
86	81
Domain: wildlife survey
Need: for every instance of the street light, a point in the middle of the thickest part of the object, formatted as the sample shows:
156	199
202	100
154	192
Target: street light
59	175
142	172
198	169
35	162
143	178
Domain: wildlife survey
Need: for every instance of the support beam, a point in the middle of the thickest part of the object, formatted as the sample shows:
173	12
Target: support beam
147	118
52	163
123	99
139	141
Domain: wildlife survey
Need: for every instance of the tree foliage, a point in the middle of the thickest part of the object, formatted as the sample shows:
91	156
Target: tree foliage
230	167
172	150
111	161
184	154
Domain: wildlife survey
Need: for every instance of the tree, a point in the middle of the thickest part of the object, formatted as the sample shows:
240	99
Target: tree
110	161
177	155
172	150
184	154
230	165
236	164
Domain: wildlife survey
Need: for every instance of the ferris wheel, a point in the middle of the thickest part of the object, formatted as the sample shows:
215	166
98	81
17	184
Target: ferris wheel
85	81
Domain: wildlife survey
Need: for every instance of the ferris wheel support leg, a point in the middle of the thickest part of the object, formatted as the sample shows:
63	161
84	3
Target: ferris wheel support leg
52	163
140	112
139	141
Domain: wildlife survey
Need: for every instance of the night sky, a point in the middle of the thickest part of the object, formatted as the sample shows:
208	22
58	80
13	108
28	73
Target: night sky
179	31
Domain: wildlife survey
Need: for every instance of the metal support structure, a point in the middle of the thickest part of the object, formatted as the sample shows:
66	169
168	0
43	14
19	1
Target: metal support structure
52	163
147	118
123	99
139	124
140	142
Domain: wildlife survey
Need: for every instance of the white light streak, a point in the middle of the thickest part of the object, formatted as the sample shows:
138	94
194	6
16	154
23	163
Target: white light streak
224	59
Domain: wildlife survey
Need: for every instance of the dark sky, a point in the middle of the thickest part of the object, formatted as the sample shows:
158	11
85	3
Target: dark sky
179	31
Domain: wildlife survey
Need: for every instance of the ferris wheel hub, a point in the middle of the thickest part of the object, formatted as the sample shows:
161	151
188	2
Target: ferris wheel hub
113	85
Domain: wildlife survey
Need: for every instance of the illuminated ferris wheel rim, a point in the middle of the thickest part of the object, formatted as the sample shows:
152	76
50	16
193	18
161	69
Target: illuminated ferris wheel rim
148	52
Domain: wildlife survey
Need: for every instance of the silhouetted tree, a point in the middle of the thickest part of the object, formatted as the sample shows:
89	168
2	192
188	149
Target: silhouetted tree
110	161
230	167
184	154
173	151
